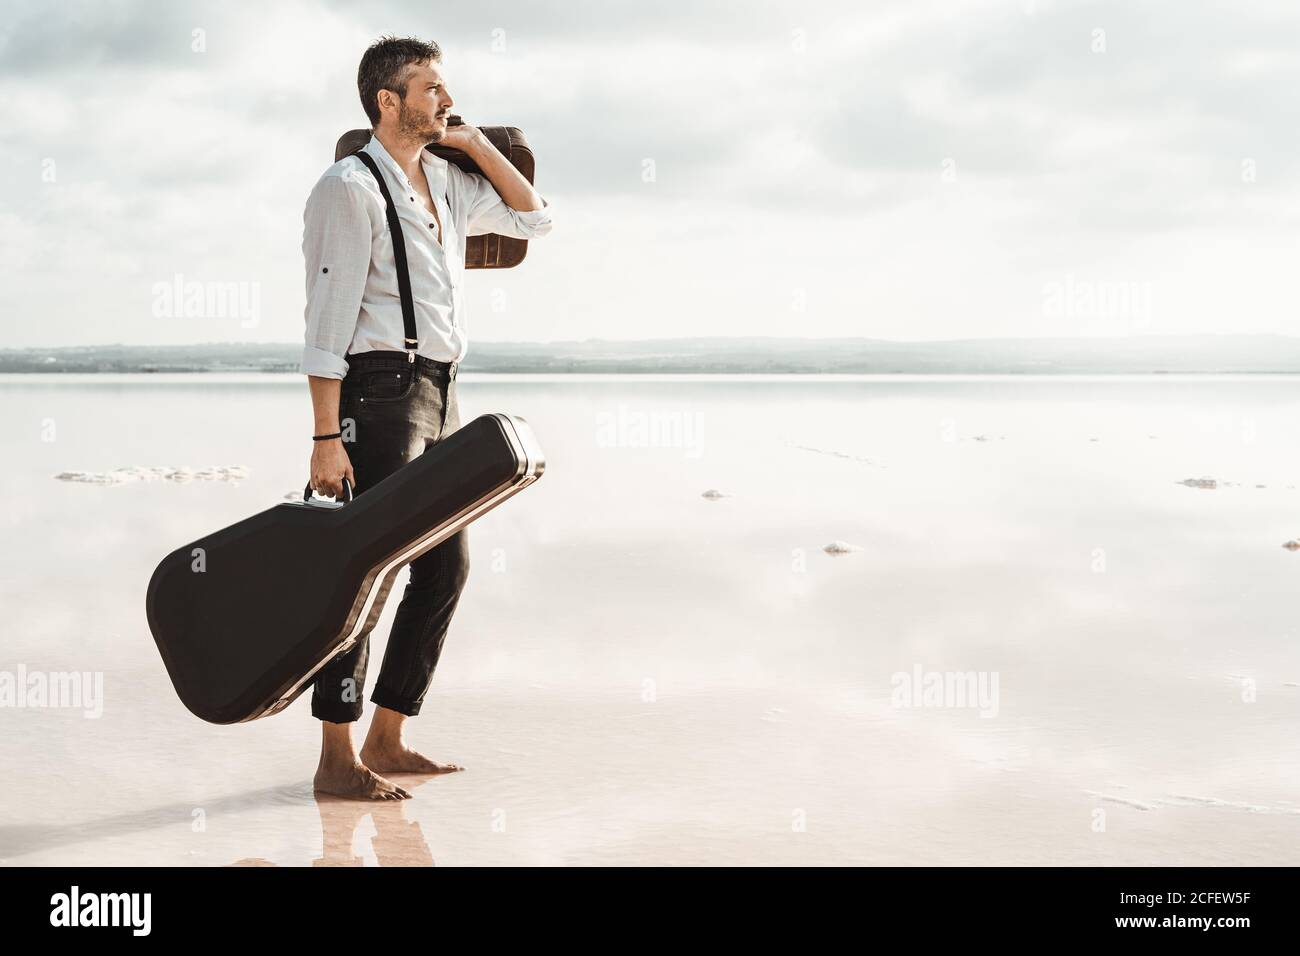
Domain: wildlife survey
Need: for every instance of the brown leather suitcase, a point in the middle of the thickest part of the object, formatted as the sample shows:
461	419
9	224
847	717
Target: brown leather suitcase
481	252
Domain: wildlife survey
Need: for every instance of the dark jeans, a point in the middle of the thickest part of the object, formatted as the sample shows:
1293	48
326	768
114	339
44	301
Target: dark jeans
397	409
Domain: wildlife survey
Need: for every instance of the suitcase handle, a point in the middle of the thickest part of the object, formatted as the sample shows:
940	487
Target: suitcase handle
347	488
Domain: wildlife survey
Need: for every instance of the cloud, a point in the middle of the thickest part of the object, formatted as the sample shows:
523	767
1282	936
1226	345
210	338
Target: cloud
913	169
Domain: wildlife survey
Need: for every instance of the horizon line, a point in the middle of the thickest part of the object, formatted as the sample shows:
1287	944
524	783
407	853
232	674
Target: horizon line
713	338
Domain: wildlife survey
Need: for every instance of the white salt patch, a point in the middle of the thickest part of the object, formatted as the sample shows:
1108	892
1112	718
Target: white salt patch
1210	484
834	454
1123	801
841	547
181	475
1182	800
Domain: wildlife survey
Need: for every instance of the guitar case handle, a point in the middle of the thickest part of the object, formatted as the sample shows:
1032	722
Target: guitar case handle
347	488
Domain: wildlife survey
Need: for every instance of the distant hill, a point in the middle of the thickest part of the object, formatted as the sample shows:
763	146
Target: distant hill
1139	354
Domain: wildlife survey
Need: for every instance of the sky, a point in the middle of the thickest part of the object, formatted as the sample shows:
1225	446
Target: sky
904	170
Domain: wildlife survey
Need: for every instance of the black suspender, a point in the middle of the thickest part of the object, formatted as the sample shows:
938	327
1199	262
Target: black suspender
399	257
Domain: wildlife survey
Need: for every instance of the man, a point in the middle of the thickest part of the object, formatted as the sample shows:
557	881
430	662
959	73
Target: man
376	405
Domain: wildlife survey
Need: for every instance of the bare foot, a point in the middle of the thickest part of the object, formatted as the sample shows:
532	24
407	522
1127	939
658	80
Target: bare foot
399	758
356	781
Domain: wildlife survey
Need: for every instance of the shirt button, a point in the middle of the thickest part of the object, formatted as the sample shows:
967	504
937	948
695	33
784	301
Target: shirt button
431	225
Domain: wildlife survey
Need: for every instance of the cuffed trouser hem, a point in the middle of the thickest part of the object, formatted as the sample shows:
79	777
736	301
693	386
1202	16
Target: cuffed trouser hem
336	712
393	702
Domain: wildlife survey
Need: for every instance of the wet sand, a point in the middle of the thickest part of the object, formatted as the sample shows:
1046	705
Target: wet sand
558	778
640	674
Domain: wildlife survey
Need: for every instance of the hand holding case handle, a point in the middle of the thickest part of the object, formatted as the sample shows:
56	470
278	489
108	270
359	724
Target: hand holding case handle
347	487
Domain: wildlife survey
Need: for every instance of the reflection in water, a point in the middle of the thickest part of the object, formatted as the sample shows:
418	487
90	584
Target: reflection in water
20	840
398	841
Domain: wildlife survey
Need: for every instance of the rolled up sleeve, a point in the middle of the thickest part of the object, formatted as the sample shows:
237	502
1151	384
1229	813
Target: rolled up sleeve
489	213
336	252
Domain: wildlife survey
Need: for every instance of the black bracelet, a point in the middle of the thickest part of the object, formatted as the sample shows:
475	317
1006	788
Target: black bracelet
326	437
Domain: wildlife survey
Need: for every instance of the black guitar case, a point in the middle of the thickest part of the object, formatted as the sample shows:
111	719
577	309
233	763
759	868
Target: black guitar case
245	617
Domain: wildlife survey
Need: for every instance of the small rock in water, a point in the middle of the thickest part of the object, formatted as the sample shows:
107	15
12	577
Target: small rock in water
1292	545
841	547
1208	483
713	494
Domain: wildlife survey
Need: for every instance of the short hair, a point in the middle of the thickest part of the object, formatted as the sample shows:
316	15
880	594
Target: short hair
385	65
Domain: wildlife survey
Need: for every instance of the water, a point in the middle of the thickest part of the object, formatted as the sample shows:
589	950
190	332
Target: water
639	673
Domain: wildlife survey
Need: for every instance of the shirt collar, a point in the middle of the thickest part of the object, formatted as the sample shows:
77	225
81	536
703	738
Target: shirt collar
435	167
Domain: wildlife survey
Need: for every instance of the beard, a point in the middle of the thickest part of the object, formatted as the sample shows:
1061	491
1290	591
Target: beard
416	124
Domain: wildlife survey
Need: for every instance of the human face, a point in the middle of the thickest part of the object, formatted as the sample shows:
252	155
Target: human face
423	112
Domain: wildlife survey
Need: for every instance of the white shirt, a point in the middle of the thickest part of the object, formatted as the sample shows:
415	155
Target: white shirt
353	303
